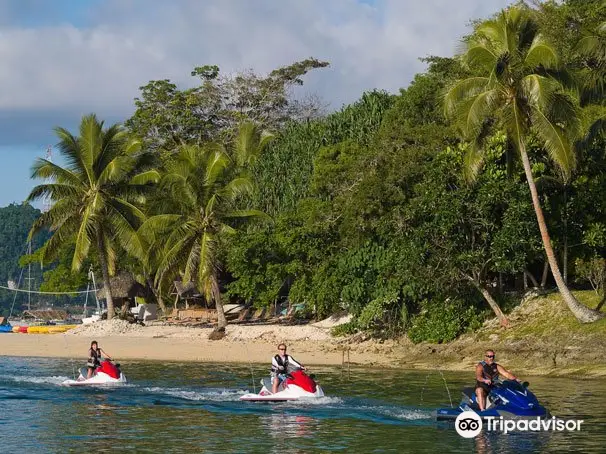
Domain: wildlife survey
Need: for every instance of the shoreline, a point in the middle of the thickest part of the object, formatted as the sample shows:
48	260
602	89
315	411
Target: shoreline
331	352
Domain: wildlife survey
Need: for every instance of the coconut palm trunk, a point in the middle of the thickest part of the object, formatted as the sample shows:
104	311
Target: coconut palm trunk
581	312
106	278
221	320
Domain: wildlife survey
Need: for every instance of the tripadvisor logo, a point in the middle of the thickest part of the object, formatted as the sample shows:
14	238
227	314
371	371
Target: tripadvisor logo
533	425
469	424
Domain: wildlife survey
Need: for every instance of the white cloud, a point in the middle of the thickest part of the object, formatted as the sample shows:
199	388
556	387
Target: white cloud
99	68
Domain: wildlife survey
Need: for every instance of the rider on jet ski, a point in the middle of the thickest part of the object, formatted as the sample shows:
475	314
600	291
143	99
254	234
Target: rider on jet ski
487	372
94	358
282	364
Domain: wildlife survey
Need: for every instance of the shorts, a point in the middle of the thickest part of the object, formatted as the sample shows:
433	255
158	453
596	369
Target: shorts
281	376
484	386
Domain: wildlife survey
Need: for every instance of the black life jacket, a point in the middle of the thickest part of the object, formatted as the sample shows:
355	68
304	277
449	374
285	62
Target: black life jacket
490	371
284	363
94	358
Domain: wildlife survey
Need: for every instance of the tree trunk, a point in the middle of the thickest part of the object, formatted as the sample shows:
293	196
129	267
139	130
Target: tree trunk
490	300
545	274
582	313
565	261
106	280
493	305
528	274
221	320
158	295
565	252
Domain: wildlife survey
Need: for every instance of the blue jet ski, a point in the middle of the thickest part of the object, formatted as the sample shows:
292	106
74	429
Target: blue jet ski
509	399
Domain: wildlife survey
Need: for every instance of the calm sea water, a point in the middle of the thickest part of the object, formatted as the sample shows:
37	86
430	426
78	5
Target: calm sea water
181	407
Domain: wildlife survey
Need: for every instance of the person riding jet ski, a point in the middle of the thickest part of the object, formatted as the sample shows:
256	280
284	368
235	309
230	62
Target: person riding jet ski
487	373
94	358
281	365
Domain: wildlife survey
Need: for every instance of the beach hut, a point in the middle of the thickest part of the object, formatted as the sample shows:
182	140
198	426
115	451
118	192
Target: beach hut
125	289
46	316
188	293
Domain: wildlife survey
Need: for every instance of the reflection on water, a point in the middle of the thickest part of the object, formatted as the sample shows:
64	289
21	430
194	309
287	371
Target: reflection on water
180	408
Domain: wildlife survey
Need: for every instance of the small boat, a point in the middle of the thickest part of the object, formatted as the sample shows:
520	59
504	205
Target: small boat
107	373
296	386
508	399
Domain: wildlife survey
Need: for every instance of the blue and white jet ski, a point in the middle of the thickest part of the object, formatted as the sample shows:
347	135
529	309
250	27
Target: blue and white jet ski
509	399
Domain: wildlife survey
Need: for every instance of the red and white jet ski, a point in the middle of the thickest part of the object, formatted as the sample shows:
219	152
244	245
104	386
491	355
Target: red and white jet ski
296	386
107	373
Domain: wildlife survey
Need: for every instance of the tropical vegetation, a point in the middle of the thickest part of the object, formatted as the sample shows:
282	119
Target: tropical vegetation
422	212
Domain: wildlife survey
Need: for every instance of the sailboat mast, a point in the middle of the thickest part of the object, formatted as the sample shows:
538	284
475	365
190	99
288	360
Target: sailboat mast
29	278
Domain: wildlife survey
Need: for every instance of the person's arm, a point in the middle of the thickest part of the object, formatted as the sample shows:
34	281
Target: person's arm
295	363
505	372
105	353
480	375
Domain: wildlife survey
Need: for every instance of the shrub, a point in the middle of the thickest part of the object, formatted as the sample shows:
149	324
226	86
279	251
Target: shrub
345	329
444	321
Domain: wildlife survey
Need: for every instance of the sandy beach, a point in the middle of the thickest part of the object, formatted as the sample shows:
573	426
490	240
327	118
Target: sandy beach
312	344
243	343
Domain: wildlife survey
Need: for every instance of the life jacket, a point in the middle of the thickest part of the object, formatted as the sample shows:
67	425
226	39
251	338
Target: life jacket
284	364
490	371
94	358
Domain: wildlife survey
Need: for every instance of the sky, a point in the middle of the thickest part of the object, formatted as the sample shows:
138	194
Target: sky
62	59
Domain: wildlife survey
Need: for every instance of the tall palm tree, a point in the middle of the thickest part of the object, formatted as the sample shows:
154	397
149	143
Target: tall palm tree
512	90
95	196
201	193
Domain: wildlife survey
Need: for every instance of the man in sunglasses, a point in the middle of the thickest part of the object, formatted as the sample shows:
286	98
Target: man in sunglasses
487	372
281	365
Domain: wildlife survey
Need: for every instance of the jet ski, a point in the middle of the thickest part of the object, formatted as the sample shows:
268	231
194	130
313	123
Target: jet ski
107	373
509	399
296	386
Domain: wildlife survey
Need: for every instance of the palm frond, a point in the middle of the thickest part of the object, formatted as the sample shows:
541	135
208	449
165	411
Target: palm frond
541	54
236	188
463	90
45	169
473	159
558	145
83	239
480	56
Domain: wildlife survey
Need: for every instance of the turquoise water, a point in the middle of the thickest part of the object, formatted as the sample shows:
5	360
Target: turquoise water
195	408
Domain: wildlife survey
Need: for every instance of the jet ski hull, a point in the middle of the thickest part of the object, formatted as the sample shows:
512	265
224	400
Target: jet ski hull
299	386
450	414
96	380
107	374
508	399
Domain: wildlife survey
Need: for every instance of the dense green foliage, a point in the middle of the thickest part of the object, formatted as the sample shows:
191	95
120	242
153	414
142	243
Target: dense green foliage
408	219
15	222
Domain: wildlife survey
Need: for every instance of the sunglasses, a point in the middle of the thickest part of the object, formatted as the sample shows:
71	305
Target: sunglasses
282	349
489	356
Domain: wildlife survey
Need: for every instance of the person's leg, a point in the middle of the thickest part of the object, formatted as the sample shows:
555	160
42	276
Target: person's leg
274	384
481	397
89	372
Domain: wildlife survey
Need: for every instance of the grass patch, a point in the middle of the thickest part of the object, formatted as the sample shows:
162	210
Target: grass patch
549	316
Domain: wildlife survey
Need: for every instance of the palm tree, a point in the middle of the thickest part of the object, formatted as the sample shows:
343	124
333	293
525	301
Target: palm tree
592	48
95	195
512	90
201	193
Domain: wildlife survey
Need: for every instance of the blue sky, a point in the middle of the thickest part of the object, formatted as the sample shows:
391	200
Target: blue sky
62	59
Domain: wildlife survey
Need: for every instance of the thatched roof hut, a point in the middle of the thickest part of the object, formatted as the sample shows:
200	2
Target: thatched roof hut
45	314
124	286
187	290
188	293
